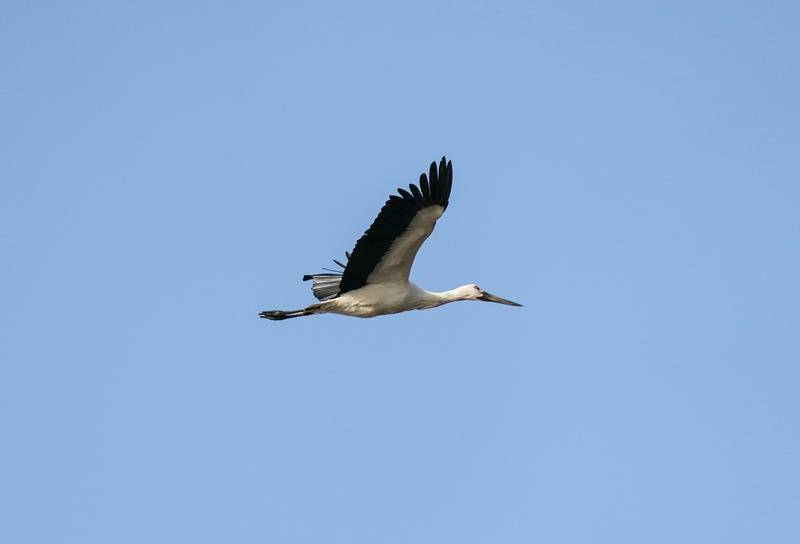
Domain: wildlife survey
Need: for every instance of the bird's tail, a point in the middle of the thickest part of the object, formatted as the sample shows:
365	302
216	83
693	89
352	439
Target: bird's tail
278	315
325	285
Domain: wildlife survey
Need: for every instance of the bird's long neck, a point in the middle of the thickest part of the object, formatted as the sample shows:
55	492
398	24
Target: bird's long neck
431	299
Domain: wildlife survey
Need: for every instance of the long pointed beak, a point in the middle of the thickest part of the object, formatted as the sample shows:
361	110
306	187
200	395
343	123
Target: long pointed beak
488	297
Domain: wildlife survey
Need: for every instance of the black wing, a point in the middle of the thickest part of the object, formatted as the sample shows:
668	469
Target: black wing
387	249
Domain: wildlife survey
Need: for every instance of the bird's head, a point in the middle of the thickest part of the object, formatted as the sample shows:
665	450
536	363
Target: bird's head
473	292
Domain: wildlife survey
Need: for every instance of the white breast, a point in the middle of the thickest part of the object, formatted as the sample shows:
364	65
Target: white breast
378	299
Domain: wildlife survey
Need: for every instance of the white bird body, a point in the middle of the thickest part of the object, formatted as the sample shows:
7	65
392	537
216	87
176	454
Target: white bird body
390	298
375	280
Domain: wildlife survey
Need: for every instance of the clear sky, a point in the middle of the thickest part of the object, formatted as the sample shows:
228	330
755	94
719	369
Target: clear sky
627	170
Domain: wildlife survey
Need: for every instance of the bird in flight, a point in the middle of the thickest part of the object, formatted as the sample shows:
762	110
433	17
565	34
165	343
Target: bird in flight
375	279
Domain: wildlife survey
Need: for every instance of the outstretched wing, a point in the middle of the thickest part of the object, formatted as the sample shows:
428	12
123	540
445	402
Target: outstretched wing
387	249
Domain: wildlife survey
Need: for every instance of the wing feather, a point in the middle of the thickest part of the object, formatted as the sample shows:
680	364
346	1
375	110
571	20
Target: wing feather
387	249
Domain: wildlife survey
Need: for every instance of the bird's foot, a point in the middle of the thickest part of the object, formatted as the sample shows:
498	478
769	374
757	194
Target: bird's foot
275	315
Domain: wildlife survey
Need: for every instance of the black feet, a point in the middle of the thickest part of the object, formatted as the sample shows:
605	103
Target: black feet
275	315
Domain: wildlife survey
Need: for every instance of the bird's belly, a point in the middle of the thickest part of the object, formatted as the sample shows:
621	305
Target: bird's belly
371	301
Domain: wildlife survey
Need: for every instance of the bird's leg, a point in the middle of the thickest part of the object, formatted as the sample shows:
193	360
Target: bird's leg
278	315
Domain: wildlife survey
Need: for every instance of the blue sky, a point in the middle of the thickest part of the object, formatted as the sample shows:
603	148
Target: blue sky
628	171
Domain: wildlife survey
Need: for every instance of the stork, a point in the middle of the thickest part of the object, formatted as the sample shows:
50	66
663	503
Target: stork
375	279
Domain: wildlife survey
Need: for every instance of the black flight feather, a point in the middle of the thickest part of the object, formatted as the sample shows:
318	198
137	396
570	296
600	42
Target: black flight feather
415	191
393	219
405	194
423	184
